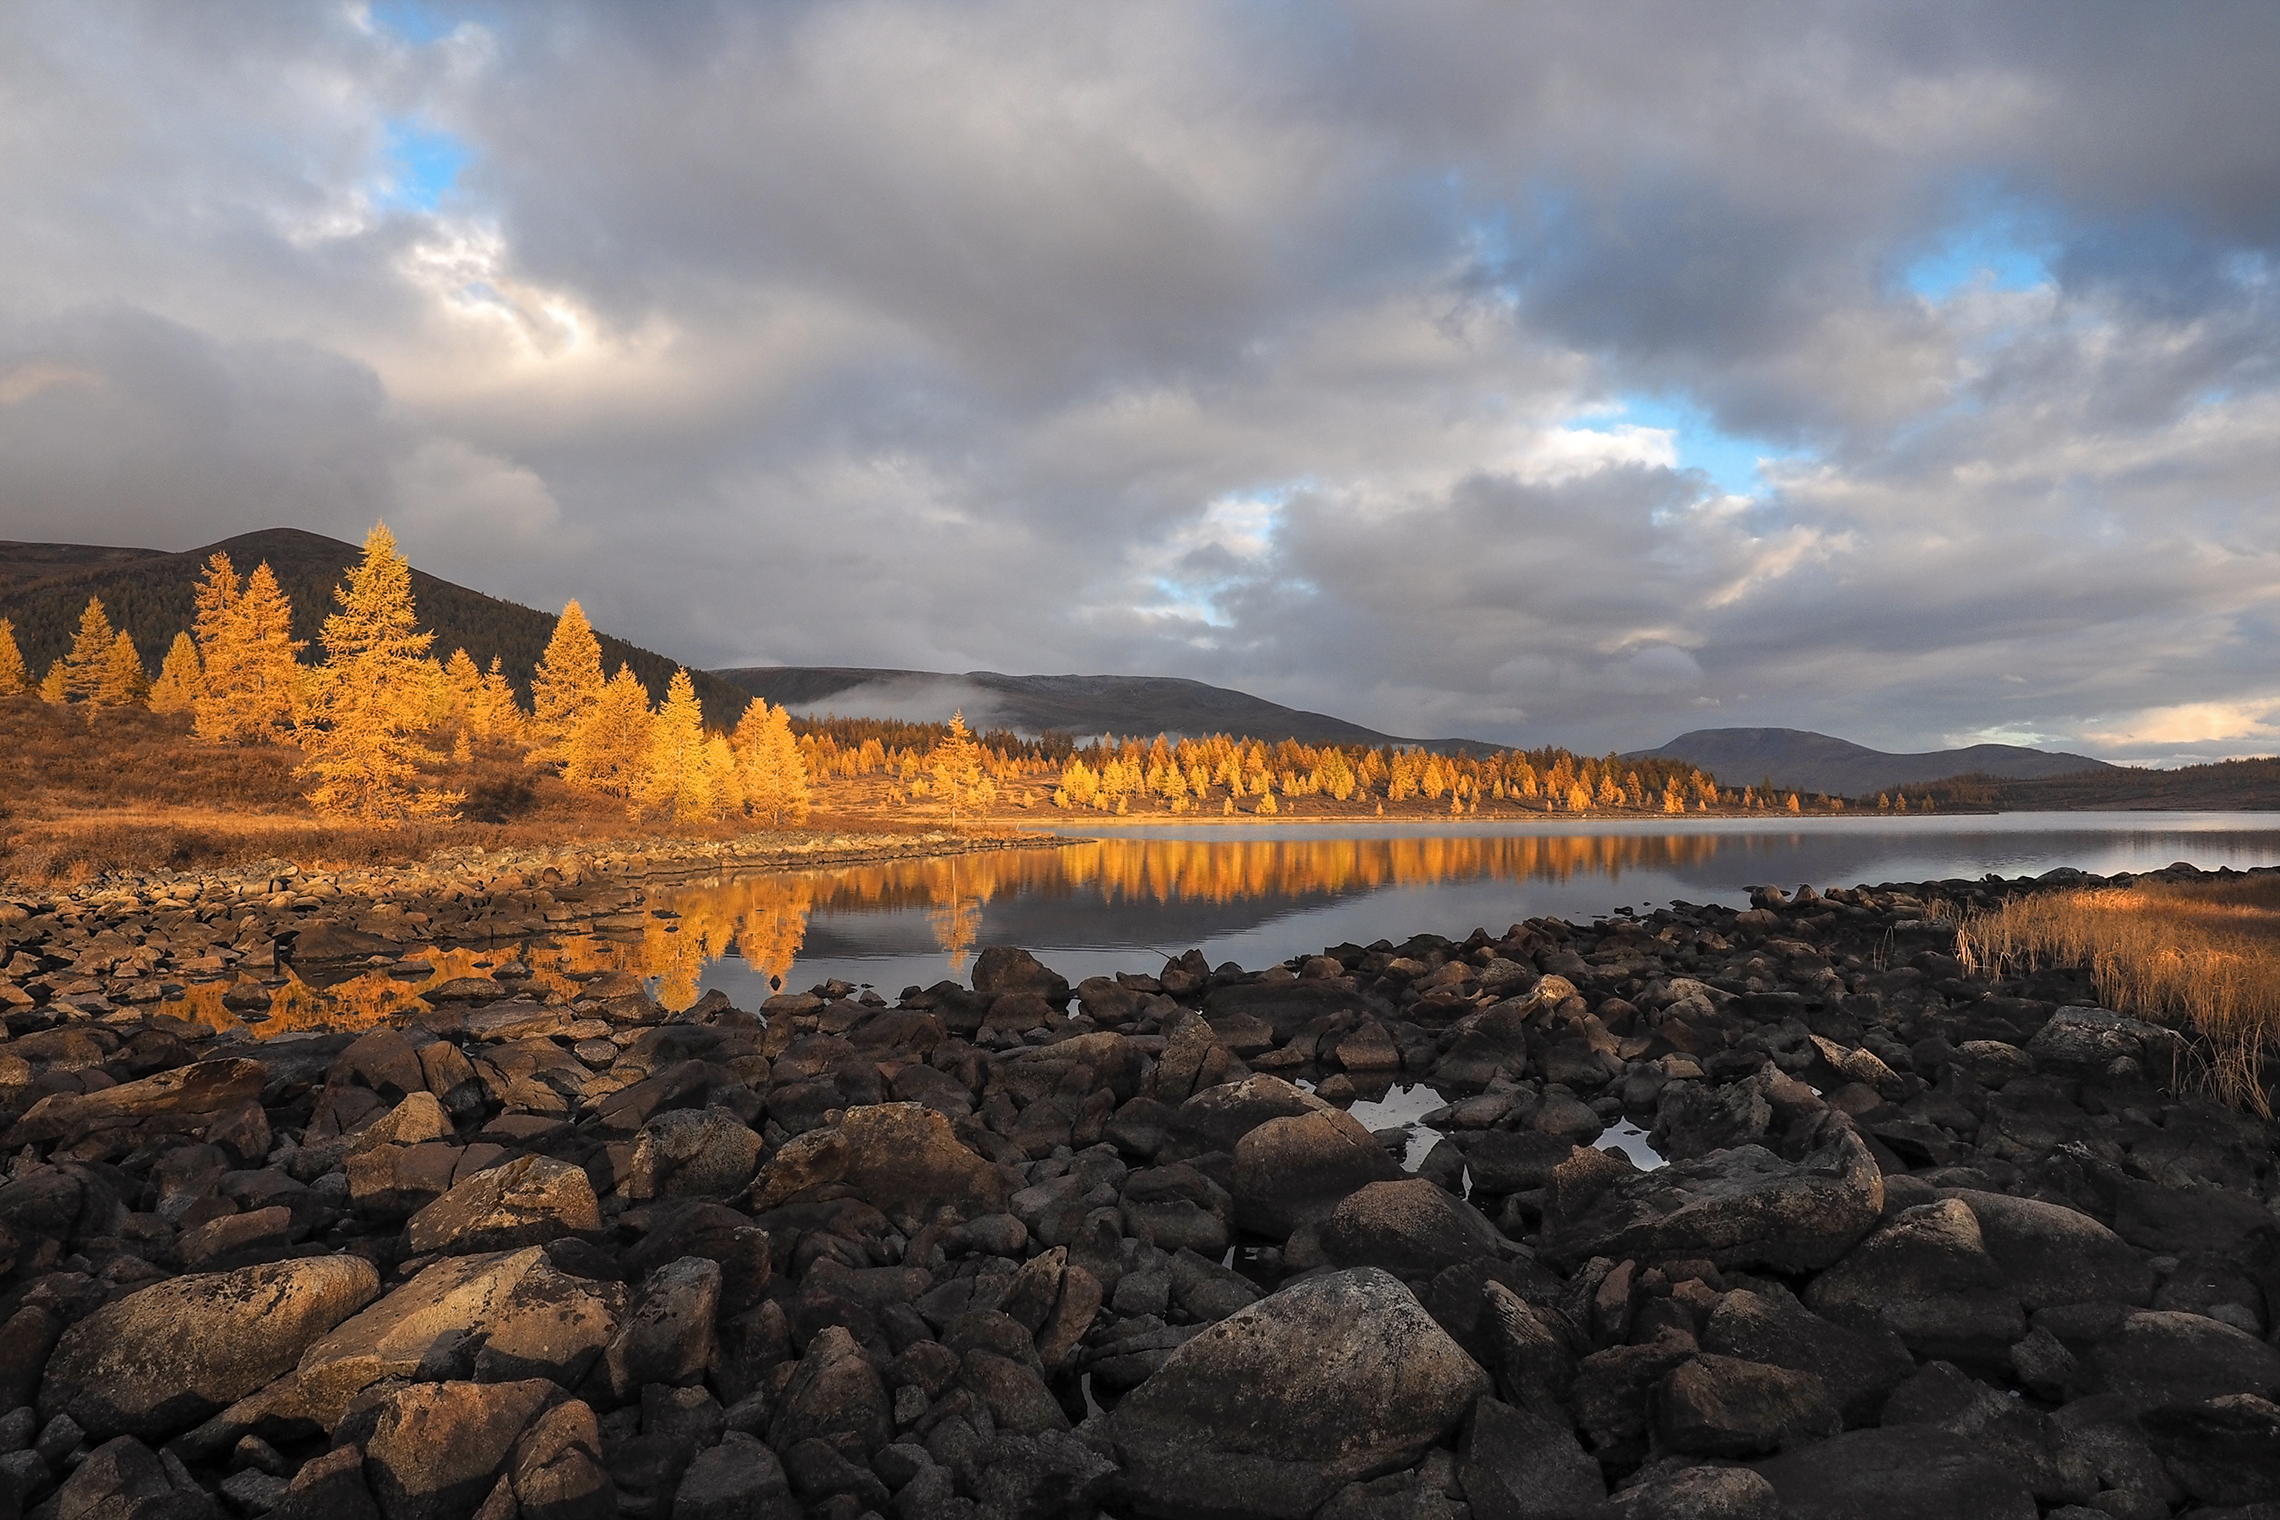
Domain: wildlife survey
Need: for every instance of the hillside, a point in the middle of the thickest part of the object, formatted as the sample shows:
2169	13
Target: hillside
1067	704
43	588
2227	785
1804	761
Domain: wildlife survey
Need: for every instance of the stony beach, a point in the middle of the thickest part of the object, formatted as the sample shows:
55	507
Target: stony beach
1924	1245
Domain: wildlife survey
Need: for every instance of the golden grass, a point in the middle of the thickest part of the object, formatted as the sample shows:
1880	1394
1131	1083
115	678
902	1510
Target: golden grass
2201	955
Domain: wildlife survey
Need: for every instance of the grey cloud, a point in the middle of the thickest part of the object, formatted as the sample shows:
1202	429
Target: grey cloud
1243	343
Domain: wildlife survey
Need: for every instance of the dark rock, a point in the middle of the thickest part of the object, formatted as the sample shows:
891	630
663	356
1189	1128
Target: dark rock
1273	1409
893	1155
1411	1228
1218	1117
122	1479
329	1486
1719	1406
835	1396
2164	1357
2223	1450
692	1152
528	1201
1903	1474
1858	1367
1041	1476
556	1470
1515	1465
2051	1254
1504	1161
1295	1170
1699	1493
437	1449
667	1336
1928	1278
167	1356
1739	1208
1177	1208
1003	969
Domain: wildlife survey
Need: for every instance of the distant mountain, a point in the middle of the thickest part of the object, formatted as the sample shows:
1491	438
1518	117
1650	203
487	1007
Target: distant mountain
1069	704
1800	760
148	592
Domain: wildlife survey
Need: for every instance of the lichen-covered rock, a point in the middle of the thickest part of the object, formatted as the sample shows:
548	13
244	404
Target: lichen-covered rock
167	1356
1274	1408
527	1202
1295	1170
892	1154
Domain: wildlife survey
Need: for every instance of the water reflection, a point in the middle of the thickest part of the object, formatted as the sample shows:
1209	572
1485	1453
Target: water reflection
1112	904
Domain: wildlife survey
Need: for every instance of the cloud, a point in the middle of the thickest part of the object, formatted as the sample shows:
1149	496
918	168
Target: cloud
1525	371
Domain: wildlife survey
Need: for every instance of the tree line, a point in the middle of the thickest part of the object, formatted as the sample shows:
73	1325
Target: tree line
381	722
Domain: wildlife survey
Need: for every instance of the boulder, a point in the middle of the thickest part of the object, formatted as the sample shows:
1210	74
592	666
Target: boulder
692	1152
1505	1161
2085	1041
122	1479
1858	1367
1720	1406
1928	1278
892	1154
1273	1409
165	1357
1411	1228
2051	1254
1520	1466
1002	969
667	1336
1496	1042
556	1471
438	1449
836	1396
1699	1493
1177	1208
2222	1451
527	1202
1295	1170
1744	1207
2169	1357
184	1099
1217	1117
1285	1007
740	1479
1911	1473
490	1318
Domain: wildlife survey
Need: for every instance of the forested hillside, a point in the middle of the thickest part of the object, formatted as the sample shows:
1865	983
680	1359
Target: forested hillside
147	592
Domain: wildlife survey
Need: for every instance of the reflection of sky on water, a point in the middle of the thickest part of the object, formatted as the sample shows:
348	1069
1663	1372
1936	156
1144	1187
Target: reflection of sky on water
1261	894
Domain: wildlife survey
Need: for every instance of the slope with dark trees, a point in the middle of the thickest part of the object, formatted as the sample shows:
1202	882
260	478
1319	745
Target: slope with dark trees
1069	704
1797	759
2225	786
148	592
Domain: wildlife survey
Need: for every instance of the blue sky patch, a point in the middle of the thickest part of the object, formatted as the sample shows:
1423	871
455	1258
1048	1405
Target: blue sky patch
1731	461
413	22
2001	244
422	165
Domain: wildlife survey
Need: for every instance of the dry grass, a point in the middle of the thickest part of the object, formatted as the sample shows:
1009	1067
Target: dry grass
2201	955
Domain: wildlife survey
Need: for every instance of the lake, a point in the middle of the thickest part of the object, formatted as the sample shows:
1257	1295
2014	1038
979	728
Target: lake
1261	893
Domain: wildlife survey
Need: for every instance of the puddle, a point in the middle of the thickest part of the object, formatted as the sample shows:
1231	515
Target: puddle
1629	1140
1403	1107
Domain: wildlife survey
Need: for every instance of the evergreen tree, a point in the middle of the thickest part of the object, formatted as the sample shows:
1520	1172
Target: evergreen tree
567	683
124	681
607	750
90	655
673	783
247	655
770	768
369	697
13	677
957	770
176	689
460	689
499	718
54	687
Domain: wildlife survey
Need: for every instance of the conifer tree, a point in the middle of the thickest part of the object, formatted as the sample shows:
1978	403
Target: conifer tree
177	686
956	767
124	681
247	656
369	697
460	689
772	770
567	683
54	687
499	718
673	783
723	781
90	655
13	677
607	750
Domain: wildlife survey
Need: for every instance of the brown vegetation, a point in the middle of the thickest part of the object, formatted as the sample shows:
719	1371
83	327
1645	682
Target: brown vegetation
2205	955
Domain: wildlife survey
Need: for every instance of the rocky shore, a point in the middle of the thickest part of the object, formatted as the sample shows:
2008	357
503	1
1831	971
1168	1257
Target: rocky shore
1923	1245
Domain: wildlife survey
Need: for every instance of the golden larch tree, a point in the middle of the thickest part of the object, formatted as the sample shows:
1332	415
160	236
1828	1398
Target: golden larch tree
460	690
770	765
53	689
249	660
674	780
176	689
608	748
369	697
567	684
90	656
955	765
14	678
499	718
124	681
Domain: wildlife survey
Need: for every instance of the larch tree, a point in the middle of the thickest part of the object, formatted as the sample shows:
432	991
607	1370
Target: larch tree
955	764
499	718
770	766
179	679
247	655
567	685
14	678
607	750
674	779
54	689
368	698
90	656
124	681
461	690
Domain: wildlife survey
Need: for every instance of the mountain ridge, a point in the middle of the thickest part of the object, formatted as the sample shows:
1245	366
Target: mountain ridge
1802	760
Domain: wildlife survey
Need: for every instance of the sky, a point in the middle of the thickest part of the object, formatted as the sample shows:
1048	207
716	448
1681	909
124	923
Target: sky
1533	372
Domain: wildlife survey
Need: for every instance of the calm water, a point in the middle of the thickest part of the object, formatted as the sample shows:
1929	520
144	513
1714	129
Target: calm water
1258	895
